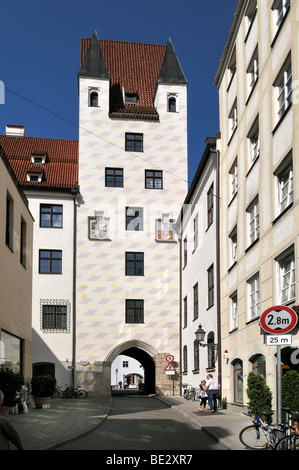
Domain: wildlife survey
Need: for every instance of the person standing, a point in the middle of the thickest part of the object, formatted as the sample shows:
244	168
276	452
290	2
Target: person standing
203	396
212	388
8	433
23	397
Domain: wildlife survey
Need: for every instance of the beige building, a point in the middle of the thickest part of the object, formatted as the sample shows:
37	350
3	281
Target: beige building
16	234
257	80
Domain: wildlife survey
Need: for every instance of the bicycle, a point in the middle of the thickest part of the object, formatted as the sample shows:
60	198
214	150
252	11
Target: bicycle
190	393
291	440
58	393
260	434
74	392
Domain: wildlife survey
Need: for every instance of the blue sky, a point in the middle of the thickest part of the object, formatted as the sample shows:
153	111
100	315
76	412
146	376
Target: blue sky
40	56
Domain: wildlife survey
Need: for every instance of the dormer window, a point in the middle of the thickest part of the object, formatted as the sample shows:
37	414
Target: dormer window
131	98
93	97
34	177
38	159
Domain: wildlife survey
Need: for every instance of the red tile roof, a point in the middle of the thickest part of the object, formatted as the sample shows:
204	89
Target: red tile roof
134	68
60	171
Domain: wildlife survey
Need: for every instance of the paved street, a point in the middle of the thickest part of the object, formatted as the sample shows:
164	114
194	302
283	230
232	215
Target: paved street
143	423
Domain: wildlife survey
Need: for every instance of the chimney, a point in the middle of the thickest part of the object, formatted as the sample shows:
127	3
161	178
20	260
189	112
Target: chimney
15	131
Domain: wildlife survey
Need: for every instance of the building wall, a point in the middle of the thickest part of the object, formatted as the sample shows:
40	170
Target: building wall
243	338
201	255
15	277
103	287
52	345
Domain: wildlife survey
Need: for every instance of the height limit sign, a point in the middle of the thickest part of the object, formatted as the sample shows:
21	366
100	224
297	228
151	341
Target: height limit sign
278	320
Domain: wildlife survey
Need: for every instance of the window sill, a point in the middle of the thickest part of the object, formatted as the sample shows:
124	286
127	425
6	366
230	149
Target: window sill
232	266
252	165
282	214
252	245
282	118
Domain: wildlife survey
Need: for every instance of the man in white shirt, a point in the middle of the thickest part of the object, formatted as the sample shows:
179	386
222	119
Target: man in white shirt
212	387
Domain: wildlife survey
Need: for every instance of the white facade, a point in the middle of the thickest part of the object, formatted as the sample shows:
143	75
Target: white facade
103	287
199	284
53	292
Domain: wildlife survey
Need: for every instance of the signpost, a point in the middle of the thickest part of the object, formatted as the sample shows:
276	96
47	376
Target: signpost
277	321
169	369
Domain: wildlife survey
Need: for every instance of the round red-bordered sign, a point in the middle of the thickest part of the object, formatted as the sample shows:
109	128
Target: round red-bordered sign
278	320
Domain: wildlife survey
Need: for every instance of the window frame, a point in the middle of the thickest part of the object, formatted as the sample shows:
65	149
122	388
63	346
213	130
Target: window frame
52	214
133	142
282	260
136	271
134	220
114	177
137	317
286	167
254	301
156	178
211	286
51	259
234	311
283	89
253	138
253	224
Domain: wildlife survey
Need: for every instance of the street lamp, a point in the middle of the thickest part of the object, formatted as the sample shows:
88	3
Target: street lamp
200	336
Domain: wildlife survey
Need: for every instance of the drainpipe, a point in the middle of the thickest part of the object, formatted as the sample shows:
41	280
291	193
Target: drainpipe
219	353
75	192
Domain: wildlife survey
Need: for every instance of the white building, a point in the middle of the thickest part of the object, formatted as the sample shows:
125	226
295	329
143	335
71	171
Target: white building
47	170
133	181
199	286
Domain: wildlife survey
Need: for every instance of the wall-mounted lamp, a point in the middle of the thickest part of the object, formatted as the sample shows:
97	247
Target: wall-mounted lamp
200	336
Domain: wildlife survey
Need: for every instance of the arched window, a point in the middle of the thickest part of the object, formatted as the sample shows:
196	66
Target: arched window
238	380
258	364
94	99
172	104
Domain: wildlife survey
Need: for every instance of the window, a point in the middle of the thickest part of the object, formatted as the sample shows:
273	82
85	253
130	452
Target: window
232	65
253	297
9	221
38	159
12	351
195	301
285	189
254	142
134	142
134	218
233	118
131	98
210	205
253	221
54	317
51	215
114	177
233	246
23	242
211	286
134	311
185	248
195	231
125	363
34	177
238	381
283	88
94	97
185	312
233	173
280	10
286	276
172	102
253	71
134	264
50	261
154	179
234	311
196	354
259	365
185	359
250	13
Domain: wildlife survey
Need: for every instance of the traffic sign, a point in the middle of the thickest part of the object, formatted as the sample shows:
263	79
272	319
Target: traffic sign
278	320
278	340
169	367
169	358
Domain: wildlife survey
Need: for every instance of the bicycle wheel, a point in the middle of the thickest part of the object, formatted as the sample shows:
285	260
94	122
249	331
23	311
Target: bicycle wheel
81	394
253	437
288	443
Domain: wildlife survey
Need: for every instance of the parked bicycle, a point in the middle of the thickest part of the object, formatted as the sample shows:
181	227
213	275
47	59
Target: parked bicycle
260	434
190	393
291	440
70	392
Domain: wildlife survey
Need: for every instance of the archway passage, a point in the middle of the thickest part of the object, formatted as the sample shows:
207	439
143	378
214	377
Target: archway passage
149	368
